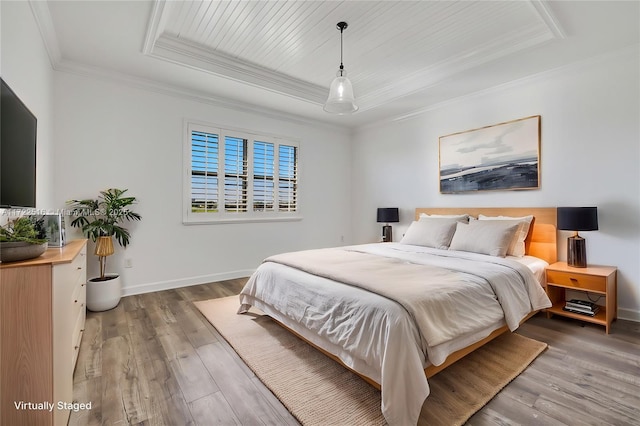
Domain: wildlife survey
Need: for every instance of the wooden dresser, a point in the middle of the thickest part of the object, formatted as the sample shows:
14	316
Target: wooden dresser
42	314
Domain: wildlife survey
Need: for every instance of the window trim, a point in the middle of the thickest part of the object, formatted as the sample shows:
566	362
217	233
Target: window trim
190	218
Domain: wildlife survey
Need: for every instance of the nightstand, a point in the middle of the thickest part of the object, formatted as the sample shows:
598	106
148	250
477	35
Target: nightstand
595	279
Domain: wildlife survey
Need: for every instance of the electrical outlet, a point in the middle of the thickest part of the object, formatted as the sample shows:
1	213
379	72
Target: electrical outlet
128	263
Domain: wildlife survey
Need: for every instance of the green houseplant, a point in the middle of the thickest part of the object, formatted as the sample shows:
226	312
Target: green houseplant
101	220
19	240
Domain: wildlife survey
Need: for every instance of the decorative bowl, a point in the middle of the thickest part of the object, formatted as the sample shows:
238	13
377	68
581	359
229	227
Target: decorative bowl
13	252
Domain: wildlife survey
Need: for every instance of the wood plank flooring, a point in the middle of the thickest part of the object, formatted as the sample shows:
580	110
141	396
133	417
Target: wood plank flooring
154	360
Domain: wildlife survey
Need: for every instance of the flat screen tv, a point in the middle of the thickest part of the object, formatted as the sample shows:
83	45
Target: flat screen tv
17	152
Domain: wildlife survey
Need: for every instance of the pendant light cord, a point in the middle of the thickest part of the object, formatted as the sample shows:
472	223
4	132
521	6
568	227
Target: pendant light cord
341	26
341	66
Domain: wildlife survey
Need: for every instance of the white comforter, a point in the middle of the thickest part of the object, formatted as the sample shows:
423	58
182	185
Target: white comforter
379	337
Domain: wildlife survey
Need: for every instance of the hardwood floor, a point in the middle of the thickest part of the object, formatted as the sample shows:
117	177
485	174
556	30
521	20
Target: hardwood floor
154	360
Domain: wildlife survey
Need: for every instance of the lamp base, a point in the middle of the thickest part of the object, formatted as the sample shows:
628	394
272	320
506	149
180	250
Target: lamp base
576	252
387	236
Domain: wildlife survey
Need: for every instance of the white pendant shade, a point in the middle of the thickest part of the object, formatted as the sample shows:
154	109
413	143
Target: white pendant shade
341	99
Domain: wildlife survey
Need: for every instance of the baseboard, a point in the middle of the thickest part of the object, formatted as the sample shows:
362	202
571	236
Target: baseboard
629	314
185	282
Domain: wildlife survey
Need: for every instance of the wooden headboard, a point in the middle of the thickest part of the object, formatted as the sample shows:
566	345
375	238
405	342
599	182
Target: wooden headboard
541	241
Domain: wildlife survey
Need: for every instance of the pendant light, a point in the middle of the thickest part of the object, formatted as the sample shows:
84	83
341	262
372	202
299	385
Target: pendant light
341	99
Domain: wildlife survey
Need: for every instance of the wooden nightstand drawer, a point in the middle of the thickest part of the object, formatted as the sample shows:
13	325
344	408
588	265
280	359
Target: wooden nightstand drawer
583	282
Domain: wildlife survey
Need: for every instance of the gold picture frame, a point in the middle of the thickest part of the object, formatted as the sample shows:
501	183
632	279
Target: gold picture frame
504	156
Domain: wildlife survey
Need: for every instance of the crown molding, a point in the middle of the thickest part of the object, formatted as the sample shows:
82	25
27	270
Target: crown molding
543	10
431	76
629	52
84	70
42	15
156	25
170	48
437	73
184	53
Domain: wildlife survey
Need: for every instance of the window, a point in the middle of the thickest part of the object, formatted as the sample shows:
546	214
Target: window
239	176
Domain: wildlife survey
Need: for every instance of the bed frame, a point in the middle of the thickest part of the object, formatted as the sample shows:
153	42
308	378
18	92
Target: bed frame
540	242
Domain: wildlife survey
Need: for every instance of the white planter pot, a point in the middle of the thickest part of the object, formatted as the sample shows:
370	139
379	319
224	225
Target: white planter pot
104	295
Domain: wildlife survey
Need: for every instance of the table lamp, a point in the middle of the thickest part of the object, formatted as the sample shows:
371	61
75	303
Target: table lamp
577	219
387	215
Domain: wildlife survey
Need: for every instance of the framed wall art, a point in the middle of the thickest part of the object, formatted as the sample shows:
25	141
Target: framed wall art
503	156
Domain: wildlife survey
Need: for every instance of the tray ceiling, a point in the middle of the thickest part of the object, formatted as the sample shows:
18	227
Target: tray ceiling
280	56
391	49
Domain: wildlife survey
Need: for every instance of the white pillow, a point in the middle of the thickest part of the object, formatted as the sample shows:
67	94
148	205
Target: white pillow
459	217
434	233
484	236
516	248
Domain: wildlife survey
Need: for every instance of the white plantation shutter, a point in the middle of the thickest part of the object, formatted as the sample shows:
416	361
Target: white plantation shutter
235	176
287	178
263	176
204	172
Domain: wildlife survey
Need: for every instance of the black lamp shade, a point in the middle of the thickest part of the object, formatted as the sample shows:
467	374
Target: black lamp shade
388	215
577	218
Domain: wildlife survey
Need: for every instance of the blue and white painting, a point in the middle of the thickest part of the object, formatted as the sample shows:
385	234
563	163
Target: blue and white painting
498	157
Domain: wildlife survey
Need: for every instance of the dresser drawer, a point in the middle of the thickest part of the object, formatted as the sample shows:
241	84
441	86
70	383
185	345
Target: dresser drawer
66	275
76	337
583	282
78	299
79	266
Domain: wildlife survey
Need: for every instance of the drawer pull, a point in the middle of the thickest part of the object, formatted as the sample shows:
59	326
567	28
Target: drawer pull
76	347
79	268
75	301
573	280
82	285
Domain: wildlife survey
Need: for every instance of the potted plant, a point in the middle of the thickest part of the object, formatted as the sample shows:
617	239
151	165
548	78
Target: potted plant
19	240
101	220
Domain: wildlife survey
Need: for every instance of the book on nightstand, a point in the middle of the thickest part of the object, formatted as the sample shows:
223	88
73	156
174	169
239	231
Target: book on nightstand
583	307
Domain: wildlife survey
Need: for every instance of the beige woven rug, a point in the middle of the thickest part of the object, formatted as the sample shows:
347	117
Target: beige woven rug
319	391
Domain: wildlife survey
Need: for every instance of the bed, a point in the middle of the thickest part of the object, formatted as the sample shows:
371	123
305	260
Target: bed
391	311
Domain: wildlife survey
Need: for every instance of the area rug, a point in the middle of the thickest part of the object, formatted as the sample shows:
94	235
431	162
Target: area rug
319	391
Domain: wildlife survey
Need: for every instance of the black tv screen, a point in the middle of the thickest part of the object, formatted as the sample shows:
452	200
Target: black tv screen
17	152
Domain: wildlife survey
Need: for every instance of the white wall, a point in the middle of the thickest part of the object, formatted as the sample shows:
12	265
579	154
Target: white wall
27	70
589	157
113	135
